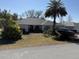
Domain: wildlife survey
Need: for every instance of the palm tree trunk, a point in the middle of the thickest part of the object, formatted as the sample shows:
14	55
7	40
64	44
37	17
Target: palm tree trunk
54	25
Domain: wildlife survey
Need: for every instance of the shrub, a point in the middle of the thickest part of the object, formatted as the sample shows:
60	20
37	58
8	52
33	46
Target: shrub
11	31
47	32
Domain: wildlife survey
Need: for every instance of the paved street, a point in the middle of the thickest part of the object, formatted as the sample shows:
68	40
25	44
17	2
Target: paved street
65	51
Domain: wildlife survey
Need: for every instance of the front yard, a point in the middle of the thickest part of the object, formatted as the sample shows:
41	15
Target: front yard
31	40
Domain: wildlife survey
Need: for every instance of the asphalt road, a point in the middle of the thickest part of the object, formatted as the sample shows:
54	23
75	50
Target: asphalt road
65	51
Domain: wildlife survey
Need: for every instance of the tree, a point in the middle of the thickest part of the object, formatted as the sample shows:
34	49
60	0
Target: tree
33	13
11	29
5	14
38	14
55	8
15	16
30	13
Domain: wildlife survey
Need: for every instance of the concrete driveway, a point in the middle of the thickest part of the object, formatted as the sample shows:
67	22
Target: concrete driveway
65	51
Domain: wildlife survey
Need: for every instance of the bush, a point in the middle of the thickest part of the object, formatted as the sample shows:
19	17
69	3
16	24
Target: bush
11	33
47	32
11	30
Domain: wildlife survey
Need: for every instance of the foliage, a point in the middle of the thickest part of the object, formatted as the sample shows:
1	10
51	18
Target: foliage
47	32
7	15
38	14
11	31
15	16
33	13
55	8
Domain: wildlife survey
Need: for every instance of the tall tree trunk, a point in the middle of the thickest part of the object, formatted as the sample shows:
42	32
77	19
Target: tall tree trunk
54	25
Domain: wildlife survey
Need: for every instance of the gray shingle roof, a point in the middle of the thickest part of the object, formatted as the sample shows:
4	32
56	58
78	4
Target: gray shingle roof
34	21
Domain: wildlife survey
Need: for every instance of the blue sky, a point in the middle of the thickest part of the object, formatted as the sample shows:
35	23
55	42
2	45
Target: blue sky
19	6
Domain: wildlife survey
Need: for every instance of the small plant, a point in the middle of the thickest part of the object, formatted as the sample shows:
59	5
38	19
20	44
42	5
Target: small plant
47	32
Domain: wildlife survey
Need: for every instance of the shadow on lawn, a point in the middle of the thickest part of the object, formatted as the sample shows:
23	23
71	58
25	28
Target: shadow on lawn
6	41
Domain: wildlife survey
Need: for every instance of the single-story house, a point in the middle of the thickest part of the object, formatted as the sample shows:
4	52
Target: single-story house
39	25
34	24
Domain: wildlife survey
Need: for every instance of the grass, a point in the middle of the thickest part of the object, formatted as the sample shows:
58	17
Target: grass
30	41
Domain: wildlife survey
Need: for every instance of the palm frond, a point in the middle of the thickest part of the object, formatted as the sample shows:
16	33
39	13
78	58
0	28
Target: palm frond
55	8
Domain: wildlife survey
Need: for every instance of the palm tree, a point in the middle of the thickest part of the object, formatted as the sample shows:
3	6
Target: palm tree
55	8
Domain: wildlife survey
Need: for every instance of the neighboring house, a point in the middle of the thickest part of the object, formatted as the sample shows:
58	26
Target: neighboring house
69	25
34	24
76	26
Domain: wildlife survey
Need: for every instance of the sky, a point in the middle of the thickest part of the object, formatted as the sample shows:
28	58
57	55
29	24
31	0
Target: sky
20	6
